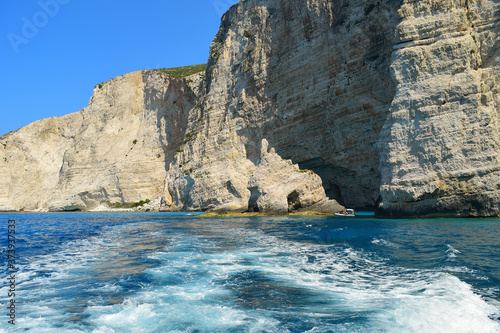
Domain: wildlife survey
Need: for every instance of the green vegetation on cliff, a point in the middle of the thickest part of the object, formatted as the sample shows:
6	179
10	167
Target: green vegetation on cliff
180	72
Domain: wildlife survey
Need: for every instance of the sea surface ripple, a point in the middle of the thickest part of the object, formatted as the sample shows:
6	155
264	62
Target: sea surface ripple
164	272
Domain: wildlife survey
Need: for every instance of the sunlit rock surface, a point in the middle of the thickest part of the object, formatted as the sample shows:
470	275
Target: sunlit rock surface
116	149
391	104
440	143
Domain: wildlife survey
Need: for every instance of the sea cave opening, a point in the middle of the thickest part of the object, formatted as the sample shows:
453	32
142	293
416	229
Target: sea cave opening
293	201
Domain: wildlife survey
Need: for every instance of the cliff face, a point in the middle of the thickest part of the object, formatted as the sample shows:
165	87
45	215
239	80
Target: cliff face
313	78
116	149
393	103
440	144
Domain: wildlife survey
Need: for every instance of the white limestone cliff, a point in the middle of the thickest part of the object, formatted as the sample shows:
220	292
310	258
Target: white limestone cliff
114	150
392	104
312	79
278	186
440	145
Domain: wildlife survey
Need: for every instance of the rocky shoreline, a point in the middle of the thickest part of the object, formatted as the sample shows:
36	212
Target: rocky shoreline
380	104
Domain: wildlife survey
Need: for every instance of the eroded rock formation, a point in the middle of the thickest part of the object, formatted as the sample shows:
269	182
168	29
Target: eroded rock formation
440	145
313	78
278	186
392	103
116	149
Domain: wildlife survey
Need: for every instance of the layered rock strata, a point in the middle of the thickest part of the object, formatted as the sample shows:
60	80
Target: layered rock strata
313	78
278	186
115	150
273	186
440	144
392	103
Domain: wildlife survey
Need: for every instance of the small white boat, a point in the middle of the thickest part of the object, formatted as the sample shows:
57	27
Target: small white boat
346	213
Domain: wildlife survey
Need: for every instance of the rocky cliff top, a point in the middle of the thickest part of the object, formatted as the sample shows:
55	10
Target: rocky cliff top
115	150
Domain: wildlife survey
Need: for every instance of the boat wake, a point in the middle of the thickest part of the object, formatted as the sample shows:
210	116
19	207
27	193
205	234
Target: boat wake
151	278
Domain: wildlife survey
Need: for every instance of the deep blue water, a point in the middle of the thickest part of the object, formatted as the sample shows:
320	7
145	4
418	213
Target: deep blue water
178	273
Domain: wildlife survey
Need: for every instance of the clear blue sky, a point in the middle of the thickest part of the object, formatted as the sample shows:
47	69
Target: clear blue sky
53	52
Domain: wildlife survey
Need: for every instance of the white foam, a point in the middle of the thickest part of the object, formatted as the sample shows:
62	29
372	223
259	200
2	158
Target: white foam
419	301
107	288
191	289
384	242
169	317
451	252
45	282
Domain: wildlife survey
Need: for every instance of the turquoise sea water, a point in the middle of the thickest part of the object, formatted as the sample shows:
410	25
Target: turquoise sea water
178	273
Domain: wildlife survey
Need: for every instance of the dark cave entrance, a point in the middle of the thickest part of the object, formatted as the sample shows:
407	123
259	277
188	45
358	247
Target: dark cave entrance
332	176
352	188
293	201
333	191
